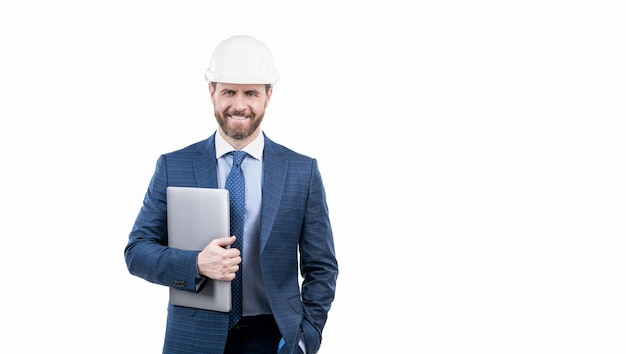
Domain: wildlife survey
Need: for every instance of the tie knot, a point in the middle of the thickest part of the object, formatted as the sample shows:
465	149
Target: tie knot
238	157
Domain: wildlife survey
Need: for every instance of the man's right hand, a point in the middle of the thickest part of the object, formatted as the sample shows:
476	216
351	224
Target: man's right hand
218	261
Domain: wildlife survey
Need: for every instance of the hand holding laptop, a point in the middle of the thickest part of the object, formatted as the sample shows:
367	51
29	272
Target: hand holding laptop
218	261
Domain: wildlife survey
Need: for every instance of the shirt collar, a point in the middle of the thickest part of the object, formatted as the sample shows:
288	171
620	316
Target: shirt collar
254	149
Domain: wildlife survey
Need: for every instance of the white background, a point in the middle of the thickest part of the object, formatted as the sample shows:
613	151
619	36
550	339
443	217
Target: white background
504	233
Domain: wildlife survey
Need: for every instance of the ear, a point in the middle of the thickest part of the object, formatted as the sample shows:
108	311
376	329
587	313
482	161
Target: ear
268	96
211	93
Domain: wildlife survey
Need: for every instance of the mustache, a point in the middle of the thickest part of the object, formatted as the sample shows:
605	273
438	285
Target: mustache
235	112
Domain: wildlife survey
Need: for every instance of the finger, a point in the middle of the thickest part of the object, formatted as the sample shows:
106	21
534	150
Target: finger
224	241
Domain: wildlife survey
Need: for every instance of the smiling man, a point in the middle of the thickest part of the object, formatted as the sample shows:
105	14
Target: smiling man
280	225
239	110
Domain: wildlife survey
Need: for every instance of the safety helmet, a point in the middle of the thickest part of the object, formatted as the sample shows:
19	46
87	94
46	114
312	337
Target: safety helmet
242	59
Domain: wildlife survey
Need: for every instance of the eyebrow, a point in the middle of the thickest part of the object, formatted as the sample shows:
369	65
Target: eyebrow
228	89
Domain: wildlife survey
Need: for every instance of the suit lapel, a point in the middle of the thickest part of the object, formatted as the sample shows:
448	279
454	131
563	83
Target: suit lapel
274	178
205	164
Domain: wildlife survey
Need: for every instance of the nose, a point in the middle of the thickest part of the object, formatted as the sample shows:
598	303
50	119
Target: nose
240	102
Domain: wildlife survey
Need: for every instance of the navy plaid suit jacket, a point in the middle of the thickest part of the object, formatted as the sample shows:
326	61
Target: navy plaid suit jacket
294	216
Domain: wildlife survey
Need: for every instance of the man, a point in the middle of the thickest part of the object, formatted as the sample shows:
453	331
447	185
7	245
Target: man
286	224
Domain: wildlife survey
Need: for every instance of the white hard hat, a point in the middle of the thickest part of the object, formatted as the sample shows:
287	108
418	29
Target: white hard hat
242	59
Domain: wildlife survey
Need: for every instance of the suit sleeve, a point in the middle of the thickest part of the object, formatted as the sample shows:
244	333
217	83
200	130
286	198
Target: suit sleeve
319	265
147	254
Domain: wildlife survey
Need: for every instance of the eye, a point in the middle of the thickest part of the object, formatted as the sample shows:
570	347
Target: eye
251	93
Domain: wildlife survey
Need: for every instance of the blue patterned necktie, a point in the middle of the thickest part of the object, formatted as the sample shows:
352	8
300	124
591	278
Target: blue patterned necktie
235	183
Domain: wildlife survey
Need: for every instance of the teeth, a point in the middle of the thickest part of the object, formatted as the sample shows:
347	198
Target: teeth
238	117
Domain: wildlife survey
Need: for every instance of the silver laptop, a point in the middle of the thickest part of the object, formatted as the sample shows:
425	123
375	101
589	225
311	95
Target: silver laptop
196	216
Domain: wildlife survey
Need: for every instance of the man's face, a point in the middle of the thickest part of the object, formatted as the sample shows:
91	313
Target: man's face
239	108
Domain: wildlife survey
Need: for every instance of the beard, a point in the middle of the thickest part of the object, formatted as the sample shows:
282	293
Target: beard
238	129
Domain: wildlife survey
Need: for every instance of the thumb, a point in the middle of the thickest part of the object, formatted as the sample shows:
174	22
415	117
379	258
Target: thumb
225	241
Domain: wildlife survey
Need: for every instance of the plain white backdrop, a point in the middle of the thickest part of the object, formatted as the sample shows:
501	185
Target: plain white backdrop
473	155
